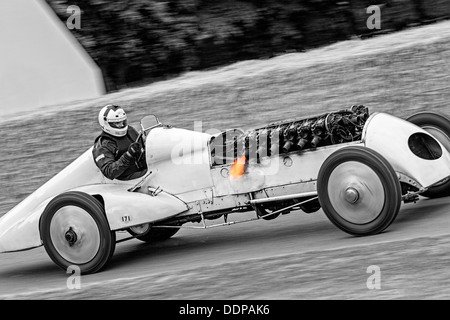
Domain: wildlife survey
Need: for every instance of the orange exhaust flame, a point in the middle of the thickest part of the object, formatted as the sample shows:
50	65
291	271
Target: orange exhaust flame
239	167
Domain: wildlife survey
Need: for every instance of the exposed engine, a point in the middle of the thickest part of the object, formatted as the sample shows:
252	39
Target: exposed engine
294	135
309	133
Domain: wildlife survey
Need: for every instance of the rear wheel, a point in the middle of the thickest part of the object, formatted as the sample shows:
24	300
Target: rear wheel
75	232
439	127
359	191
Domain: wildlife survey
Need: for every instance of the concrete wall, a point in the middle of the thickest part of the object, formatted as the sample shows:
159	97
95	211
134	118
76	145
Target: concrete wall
41	63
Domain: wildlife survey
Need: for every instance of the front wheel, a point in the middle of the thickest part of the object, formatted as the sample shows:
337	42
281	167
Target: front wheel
75	232
359	191
439	127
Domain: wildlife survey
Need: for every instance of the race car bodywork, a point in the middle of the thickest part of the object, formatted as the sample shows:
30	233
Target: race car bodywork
357	167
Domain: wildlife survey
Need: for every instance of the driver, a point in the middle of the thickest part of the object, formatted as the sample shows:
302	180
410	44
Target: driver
116	152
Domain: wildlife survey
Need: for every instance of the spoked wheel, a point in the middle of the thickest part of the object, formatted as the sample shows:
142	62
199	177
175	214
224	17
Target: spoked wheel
146	233
75	232
359	191
439	127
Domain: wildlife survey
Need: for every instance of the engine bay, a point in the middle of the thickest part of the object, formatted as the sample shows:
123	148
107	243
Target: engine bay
283	137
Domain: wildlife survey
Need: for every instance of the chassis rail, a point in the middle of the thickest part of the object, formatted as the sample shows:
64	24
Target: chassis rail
228	223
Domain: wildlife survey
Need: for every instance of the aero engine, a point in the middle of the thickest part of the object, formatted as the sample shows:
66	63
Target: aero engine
303	133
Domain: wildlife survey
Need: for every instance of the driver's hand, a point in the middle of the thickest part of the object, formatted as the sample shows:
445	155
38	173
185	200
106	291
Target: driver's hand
135	150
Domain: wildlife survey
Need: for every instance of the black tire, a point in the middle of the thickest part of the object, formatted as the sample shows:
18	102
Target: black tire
438	126
75	232
155	234
359	191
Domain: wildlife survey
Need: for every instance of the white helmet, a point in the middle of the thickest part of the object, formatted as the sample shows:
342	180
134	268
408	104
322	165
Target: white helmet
113	120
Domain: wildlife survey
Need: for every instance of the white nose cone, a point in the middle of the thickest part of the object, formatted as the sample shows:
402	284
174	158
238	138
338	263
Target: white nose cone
390	136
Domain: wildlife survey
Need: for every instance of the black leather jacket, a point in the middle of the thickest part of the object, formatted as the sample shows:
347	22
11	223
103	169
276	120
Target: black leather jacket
111	157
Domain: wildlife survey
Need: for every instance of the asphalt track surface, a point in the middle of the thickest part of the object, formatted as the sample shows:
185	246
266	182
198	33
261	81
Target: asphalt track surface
391	66
33	271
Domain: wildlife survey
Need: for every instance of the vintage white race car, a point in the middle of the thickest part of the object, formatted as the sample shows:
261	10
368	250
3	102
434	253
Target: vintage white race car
357	167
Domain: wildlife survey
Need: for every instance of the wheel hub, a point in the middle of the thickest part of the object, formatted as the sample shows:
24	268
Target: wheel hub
351	195
75	234
356	192
71	236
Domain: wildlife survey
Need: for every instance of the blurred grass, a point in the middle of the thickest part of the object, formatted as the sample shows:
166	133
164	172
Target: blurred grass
399	73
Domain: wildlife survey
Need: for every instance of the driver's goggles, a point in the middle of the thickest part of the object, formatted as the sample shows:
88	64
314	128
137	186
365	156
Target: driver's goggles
118	124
